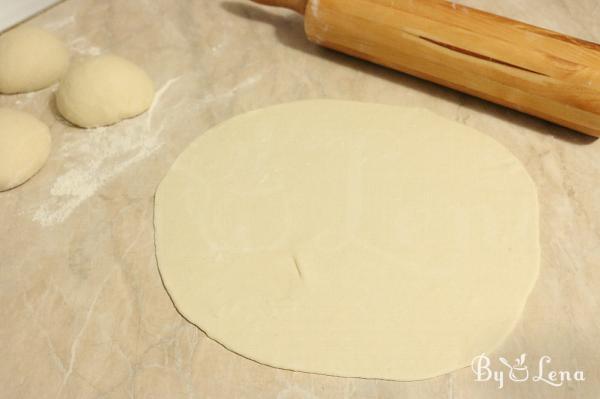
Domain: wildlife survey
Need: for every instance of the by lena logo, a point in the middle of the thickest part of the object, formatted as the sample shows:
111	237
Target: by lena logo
519	371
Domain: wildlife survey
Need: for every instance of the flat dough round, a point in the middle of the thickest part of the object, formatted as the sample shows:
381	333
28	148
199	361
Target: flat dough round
24	147
349	239
30	59
104	90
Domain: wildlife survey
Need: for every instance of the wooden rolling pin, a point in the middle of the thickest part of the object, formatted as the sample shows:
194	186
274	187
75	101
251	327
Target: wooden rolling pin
530	69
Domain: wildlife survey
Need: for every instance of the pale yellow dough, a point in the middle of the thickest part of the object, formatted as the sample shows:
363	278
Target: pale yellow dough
103	90
349	239
24	147
30	59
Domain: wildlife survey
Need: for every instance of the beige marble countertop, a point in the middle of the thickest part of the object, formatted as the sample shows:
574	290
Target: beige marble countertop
83	313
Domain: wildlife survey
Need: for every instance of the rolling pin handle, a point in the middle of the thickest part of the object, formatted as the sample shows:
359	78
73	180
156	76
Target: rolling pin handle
296	5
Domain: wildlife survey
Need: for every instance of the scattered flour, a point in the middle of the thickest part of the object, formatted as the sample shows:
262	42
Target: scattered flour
83	46
24	98
92	158
232	92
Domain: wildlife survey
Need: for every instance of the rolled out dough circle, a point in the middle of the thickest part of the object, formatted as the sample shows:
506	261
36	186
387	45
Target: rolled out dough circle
349	239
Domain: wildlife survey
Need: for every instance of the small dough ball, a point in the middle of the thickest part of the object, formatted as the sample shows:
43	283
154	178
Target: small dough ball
24	147
104	90
30	59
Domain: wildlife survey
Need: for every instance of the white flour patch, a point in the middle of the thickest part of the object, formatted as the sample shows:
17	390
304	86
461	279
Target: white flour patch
233	91
92	158
24	98
83	46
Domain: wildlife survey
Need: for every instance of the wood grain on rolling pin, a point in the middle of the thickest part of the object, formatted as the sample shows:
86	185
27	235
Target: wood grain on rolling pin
520	66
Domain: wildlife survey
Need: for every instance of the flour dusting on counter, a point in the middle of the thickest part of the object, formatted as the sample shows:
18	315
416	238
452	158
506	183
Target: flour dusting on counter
94	157
83	46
